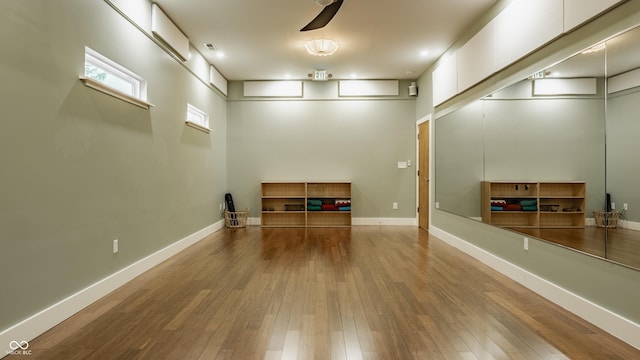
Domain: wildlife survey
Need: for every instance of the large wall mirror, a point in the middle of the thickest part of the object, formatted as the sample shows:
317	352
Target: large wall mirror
553	156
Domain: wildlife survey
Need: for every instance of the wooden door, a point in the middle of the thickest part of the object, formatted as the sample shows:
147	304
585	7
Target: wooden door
423	175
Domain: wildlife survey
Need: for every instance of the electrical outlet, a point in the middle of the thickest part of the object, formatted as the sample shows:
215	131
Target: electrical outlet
437	205
395	206
613	206
115	246
526	243
625	206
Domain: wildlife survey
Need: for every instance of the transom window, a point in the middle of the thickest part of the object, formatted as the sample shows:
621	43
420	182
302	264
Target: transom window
104	70
197	116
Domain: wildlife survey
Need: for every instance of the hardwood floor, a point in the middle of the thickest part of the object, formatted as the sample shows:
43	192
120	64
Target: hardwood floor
621	245
342	293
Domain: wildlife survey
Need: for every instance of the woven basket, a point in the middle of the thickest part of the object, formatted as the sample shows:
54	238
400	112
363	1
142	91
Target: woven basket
236	219
606	219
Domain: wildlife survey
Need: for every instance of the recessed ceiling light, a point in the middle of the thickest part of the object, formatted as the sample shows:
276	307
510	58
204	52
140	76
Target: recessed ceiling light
218	53
353	76
424	53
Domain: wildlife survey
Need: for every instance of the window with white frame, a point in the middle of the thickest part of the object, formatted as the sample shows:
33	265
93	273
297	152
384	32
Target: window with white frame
197	117
113	76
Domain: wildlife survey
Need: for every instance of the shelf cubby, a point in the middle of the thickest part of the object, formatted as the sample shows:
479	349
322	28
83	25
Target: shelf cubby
558	204
285	204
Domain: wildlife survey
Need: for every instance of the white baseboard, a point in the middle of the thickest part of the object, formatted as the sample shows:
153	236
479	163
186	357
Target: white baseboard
631	225
618	326
385	221
623	224
362	221
30	328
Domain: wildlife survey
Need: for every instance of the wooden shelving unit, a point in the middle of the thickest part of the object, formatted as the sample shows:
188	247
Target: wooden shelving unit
569	197
557	204
285	204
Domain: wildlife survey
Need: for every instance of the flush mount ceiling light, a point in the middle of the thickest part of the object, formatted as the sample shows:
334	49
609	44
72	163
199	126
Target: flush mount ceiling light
321	47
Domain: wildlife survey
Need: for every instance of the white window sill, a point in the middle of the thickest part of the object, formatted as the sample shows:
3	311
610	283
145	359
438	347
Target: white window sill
115	93
197	126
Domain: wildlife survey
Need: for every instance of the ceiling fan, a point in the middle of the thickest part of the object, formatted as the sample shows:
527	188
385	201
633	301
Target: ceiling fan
330	9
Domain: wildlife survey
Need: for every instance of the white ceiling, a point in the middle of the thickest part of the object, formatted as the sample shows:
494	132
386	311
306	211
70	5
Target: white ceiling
379	39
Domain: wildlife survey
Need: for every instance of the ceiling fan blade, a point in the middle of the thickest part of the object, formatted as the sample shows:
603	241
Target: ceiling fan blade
324	17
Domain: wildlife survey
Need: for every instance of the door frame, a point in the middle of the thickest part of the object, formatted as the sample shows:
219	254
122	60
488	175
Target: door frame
418	123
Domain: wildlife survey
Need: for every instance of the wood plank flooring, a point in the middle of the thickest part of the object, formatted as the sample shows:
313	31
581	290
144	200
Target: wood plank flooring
618	244
364	292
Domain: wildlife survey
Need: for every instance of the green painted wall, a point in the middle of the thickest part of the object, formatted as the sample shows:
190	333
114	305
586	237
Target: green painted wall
459	160
81	168
541	139
321	138
623	146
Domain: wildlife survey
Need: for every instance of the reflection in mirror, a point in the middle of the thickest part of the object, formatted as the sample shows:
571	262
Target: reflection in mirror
459	159
623	147
550	151
550	130
538	145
